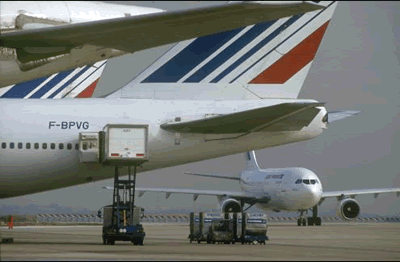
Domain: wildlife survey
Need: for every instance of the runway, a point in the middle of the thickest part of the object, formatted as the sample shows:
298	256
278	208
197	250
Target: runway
331	241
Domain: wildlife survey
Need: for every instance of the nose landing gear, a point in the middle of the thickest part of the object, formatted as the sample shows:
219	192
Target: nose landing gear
311	221
301	221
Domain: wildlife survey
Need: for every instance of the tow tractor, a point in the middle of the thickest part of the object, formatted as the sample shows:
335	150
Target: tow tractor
121	146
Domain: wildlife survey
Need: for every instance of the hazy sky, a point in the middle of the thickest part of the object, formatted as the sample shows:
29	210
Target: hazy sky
356	68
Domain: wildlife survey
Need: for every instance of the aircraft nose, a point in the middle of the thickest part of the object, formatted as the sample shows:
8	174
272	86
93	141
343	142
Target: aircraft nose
312	195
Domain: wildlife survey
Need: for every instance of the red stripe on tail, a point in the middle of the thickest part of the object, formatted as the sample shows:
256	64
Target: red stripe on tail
293	61
88	92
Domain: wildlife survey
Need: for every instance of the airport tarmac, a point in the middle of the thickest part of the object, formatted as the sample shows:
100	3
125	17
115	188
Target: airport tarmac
331	241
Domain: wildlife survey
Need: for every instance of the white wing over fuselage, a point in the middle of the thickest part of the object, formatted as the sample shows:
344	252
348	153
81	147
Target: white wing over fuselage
40	38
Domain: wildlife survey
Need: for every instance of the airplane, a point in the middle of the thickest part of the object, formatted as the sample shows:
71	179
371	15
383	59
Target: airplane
291	189
203	98
41	38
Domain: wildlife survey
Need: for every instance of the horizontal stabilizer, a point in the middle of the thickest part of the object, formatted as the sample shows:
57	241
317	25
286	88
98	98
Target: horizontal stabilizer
134	33
214	176
339	115
250	120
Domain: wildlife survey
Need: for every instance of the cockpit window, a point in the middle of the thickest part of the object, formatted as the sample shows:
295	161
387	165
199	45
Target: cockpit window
313	181
298	181
306	181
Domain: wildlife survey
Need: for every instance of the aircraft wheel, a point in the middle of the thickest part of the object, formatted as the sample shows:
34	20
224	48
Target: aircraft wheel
310	221
298	222
304	222
318	221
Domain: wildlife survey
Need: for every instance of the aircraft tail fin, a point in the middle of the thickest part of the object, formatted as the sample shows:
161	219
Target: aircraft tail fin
251	161
265	60
79	82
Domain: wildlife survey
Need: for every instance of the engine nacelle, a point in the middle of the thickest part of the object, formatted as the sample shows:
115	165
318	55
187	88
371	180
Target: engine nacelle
348	209
230	205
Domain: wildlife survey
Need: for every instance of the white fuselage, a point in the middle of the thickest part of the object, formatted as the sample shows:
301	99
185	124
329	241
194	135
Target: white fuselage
56	13
279	185
53	122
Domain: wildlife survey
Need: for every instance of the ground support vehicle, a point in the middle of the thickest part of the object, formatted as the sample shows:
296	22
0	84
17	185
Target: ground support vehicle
228	228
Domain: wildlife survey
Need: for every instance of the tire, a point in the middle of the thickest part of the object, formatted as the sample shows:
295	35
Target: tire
233	242
304	222
298	222
112	242
310	221
104	241
318	221
198	241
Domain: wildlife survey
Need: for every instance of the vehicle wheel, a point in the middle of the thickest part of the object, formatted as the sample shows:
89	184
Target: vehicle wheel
304	222
104	241
298	222
112	242
310	221
190	241
318	221
198	241
233	242
141	242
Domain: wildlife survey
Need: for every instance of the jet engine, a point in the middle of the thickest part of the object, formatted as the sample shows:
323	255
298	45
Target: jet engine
230	205
348	209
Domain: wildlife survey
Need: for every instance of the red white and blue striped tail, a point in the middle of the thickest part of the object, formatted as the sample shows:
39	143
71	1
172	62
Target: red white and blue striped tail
75	83
265	60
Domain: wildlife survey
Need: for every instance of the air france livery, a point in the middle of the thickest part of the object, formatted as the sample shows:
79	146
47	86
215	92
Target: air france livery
203	98
41	38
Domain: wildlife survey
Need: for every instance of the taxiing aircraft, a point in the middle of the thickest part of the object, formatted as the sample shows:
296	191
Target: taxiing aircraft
41	38
290	189
203	98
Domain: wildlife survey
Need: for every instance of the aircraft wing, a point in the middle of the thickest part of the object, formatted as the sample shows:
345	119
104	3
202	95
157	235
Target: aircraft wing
194	192
339	115
281	117
355	192
212	175
140	32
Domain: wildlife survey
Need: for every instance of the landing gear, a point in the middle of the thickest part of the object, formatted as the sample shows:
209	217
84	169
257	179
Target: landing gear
301	221
315	219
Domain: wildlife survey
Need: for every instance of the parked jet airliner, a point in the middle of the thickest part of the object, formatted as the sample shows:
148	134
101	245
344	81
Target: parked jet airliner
203	98
41	38
288	189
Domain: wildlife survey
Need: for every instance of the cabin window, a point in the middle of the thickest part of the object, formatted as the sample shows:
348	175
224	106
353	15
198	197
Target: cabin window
36	145
312	181
84	146
69	146
61	146
53	145
4	145
20	145
12	145
306	181
298	181
44	146
268	177
28	145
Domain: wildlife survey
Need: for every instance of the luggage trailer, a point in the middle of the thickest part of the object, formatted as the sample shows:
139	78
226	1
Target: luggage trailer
228	228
